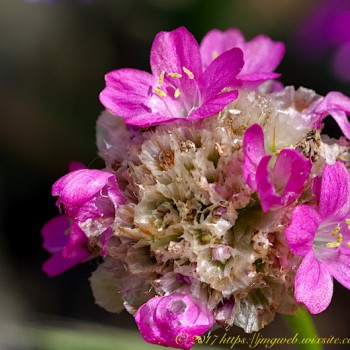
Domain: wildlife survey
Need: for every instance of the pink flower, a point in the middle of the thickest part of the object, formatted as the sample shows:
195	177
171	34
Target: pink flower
281	185
337	105
177	88
261	55
88	194
322	237
175	320
85	194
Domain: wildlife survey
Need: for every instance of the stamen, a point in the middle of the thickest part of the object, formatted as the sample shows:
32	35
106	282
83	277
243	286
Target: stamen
177	93
175	75
214	55
348	244
348	223
188	73
336	230
161	78
337	243
159	92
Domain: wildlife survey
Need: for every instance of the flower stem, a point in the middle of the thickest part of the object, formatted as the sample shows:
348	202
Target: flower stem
303	326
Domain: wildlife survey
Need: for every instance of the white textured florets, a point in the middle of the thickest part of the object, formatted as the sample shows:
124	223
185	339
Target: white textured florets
190	221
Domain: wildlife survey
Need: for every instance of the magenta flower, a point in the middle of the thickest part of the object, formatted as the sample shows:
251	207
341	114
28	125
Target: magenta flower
88	194
322	237
281	185
85	194
261	55
177	88
337	105
176	320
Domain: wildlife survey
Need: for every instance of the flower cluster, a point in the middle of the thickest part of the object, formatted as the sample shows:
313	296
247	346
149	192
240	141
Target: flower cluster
220	202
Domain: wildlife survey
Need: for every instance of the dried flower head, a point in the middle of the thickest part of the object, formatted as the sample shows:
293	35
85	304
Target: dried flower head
199	217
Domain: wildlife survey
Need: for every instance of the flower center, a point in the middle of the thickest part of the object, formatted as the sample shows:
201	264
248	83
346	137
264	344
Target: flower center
329	238
176	94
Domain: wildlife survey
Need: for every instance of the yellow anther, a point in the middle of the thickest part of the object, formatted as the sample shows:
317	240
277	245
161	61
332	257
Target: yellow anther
336	230
348	244
159	92
348	223
161	78
175	75
214	55
188	73
177	93
337	243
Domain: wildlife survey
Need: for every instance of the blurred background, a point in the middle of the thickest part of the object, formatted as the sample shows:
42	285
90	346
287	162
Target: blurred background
53	57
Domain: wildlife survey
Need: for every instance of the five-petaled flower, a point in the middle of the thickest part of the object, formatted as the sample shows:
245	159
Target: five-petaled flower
322	237
177	88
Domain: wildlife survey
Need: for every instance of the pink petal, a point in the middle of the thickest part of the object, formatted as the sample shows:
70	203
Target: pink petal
67	246
342	120
55	233
146	120
301	232
57	264
76	247
213	106
79	186
337	105
176	52
254	151
257	77
264	186
221	73
127	92
339	268
286	181
335	191
216	42
290	173
114	194
171	51
313	284
262	55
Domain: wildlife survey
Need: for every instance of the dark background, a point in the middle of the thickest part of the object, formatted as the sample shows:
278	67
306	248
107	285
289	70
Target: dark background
53	57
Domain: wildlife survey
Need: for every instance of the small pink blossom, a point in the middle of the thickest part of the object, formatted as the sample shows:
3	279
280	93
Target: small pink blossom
175	320
321	235
177	88
85	194
337	105
261	55
279	186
